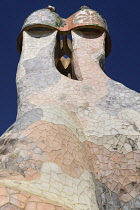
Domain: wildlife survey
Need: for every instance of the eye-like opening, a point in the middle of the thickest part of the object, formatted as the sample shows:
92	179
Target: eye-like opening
90	31
39	29
39	32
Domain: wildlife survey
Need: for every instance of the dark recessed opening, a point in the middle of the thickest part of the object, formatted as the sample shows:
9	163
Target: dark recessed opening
63	55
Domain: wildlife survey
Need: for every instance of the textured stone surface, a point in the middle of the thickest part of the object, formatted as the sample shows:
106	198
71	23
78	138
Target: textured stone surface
123	99
44	16
76	141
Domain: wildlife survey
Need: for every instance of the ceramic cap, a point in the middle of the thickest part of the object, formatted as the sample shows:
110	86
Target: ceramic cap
84	18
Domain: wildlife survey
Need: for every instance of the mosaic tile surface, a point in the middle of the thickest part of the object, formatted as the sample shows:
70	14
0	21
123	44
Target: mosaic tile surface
75	144
44	16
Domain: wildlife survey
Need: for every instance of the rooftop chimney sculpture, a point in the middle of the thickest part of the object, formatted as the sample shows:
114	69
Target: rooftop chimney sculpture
76	140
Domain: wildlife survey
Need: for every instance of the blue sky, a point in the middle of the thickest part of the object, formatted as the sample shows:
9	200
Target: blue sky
123	18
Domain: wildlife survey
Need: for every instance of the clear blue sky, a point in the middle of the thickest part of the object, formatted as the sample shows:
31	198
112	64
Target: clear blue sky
123	18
